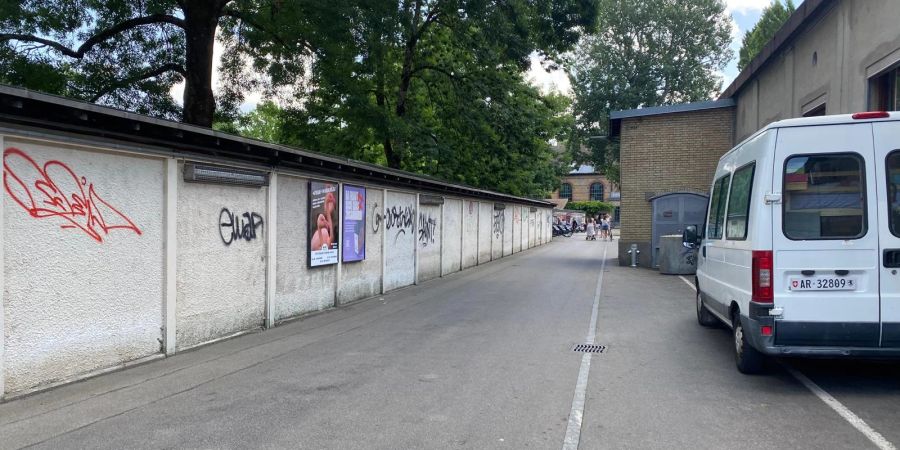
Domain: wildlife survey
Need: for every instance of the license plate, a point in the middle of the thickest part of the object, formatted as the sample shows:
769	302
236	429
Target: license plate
823	284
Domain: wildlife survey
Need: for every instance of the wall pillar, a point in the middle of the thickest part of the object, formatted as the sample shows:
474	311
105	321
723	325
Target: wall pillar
170	252
2	297
271	247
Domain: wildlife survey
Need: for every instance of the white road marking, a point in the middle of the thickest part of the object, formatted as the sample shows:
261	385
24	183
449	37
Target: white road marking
833	403
842	410
688	282
573	430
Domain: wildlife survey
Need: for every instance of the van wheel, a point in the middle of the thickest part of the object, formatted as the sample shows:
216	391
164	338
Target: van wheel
748	359
704	317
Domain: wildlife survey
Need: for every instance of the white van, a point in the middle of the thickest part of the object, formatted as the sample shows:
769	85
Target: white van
801	249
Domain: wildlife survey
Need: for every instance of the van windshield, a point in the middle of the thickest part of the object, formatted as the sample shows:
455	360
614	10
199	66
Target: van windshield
824	197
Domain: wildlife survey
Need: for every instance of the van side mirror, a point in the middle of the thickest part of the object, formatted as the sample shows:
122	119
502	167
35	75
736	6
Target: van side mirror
690	238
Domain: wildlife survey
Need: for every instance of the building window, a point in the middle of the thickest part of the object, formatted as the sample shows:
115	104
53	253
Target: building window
884	91
616	215
597	192
817	111
565	191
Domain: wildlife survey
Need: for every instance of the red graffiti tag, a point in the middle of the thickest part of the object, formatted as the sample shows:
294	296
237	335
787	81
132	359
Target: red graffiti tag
66	196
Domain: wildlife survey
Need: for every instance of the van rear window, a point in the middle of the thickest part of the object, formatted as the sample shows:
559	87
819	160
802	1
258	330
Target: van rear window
716	220
893	185
824	197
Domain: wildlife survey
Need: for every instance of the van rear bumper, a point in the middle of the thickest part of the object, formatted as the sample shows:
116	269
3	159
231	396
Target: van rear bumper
766	345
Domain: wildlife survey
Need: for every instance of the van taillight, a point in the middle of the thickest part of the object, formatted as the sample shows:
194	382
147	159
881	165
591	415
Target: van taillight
762	276
871	115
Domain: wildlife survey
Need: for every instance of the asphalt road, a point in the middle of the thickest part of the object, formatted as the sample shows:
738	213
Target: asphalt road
480	359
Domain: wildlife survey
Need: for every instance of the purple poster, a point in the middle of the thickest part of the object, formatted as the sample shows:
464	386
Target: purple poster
354	223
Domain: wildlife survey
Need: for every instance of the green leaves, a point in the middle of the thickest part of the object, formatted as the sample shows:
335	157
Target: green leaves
591	208
645	53
771	20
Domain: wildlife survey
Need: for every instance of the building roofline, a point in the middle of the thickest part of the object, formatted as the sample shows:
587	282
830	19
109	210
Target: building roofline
22	107
805	13
616	117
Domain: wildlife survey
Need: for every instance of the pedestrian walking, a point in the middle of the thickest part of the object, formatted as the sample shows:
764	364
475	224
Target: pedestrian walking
591	230
605	231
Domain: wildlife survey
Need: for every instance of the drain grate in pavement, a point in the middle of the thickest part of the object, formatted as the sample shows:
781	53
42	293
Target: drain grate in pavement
585	348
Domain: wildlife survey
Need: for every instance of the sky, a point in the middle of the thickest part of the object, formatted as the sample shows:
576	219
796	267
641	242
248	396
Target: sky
744	14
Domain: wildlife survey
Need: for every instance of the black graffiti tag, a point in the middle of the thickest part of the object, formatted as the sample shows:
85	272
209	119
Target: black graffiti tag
234	227
499	222
402	217
377	219
427	226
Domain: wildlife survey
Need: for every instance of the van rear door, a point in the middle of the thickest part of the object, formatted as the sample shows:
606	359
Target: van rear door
887	152
825	237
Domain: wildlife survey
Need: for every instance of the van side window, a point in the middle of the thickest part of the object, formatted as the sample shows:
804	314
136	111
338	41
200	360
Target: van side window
824	197
716	218
739	203
893	185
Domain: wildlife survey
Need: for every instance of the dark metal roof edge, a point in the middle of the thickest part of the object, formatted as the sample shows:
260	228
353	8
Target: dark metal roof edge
669	109
73	116
803	15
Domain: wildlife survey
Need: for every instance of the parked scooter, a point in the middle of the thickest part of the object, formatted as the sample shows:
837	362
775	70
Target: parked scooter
562	229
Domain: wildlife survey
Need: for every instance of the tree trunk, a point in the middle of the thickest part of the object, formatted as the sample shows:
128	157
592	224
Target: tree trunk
201	19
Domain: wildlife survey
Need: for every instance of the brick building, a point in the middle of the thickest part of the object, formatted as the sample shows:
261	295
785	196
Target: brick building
584	183
830	57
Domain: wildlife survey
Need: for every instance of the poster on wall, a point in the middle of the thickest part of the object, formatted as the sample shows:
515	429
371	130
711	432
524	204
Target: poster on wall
323	230
354	223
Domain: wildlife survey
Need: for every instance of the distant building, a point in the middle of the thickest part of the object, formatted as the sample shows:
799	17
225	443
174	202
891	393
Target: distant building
830	57
584	183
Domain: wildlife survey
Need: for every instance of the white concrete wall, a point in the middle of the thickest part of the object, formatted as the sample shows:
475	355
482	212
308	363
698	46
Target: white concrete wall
507	231
84	294
517	229
523	235
470	233
399	221
485	236
79	296
532	230
497	226
298	288
451	233
428	238
362	279
221	286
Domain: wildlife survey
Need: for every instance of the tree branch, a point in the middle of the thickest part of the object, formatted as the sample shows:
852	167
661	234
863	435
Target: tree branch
97	38
235	14
169	67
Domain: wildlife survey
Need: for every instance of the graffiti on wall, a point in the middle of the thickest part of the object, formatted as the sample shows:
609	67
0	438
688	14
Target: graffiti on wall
234	226
377	219
427	227
399	218
498	223
55	190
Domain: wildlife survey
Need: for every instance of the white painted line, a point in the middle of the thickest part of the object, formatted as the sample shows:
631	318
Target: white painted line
832	402
688	282
573	430
839	408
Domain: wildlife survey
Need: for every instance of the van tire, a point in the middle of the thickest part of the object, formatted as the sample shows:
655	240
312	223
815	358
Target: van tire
748	359
704	317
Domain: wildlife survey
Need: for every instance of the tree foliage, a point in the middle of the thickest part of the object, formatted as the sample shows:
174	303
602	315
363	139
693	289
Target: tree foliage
771	20
645	53
591	208
437	87
130	53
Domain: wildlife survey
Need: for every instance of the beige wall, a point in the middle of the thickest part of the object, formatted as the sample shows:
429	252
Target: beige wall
581	186
853	41
667	153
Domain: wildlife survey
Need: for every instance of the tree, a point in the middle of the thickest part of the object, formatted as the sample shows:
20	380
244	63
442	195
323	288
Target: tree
129	53
591	208
646	53
771	20
437	87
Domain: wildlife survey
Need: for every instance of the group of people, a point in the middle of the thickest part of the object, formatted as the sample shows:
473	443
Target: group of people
600	226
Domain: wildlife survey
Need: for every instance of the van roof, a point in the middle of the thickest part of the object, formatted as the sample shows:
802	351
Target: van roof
808	122
826	120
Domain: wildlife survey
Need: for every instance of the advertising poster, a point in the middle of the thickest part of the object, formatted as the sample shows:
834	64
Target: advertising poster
323	218
354	223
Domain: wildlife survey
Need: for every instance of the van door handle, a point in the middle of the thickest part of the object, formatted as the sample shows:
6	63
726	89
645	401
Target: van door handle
808	273
841	272
891	258
704	251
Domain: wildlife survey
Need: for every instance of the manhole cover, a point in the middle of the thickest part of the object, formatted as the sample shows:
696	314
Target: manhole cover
585	348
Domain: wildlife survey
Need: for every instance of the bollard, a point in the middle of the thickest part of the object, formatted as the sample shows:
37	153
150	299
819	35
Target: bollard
634	252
